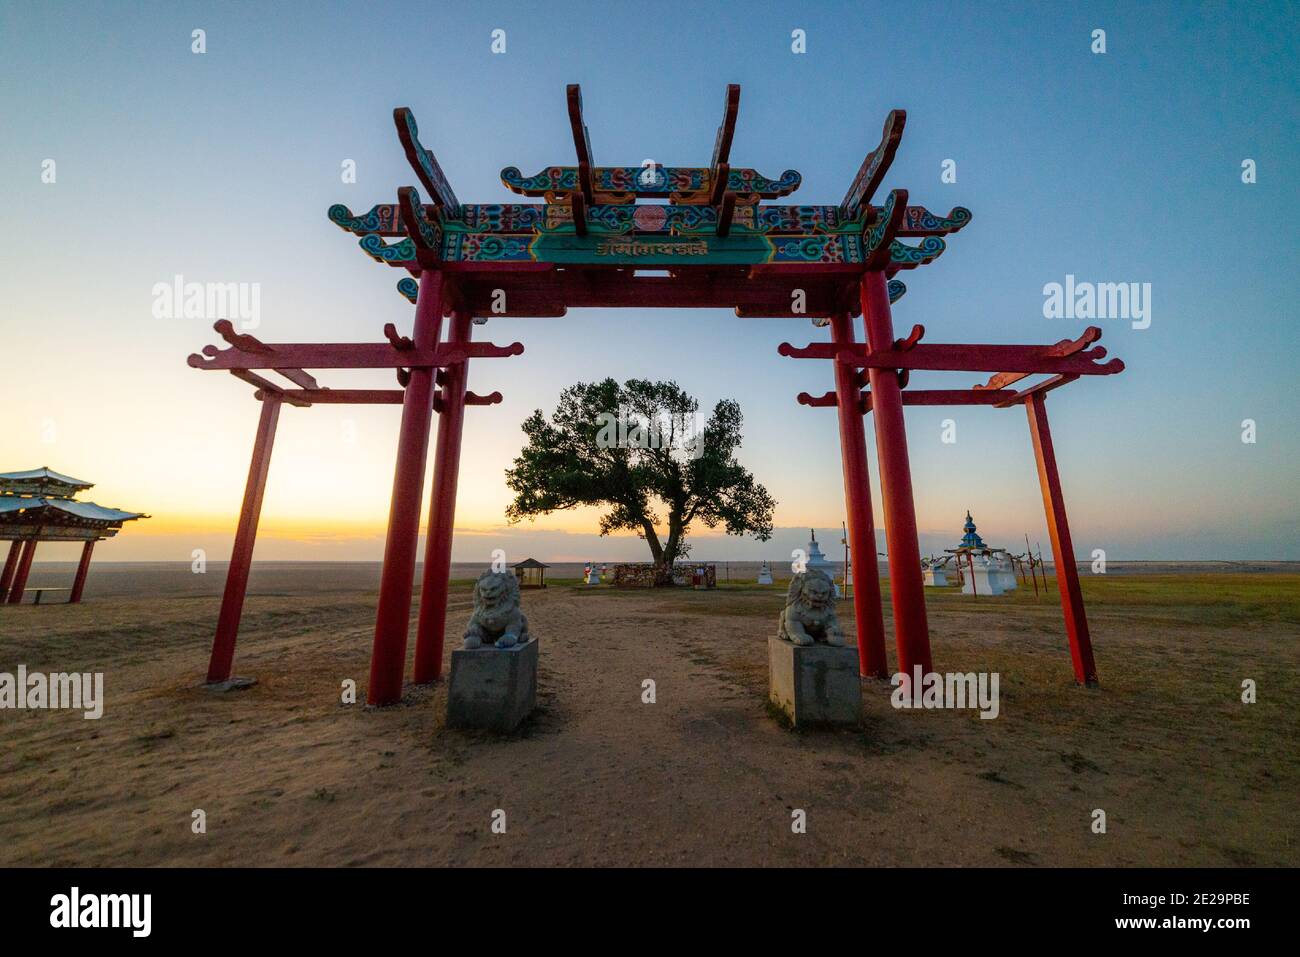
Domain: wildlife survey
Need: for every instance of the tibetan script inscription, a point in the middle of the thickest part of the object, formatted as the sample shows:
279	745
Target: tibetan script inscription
635	247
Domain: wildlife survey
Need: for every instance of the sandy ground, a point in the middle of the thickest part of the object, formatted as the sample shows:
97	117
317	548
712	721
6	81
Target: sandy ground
287	774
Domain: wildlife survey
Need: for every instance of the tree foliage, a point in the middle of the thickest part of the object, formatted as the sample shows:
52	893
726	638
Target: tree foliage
686	472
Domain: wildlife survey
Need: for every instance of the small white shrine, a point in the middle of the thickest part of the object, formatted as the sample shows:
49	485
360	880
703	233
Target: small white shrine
816	560
934	576
765	574
984	570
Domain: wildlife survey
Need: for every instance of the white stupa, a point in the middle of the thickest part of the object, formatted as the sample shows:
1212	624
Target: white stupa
985	570
934	575
816	560
765	574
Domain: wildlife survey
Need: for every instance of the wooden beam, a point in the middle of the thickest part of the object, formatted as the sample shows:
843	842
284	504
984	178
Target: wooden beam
581	142
226	329
727	128
919	221
948	397
826	400
1058	529
718	178
11	564
878	239
549	293
579	205
1042	388
1066	347
876	164
426	235
342	396
344	355
926	397
903	256
299	378
264	386
949	357
726	212
424	163
83	568
241	557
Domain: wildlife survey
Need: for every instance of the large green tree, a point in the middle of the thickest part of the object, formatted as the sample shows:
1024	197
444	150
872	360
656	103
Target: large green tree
640	449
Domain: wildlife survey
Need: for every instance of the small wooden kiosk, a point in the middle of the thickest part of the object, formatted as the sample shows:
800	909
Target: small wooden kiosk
531	573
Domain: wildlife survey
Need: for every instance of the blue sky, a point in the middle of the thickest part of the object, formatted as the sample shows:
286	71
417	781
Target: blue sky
1120	167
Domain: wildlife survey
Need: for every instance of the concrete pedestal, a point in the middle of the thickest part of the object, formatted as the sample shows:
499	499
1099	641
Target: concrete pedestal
815	684
982	580
935	578
494	688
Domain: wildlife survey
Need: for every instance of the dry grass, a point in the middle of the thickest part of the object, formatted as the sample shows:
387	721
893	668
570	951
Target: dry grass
1186	773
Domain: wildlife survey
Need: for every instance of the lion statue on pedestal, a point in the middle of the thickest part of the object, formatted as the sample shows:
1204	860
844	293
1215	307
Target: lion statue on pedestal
809	613
497	619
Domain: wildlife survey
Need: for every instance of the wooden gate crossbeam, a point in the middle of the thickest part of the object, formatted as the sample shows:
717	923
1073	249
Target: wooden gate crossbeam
289	358
946	357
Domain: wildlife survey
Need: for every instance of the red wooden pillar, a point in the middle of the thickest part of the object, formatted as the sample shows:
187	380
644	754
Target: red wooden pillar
83	567
241	554
857	497
21	572
392	620
906	586
429	633
1058	528
11	565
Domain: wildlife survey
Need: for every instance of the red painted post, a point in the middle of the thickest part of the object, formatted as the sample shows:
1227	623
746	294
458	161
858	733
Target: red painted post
430	631
392	620
11	564
906	586
1058	528
83	567
20	574
241	553
857	498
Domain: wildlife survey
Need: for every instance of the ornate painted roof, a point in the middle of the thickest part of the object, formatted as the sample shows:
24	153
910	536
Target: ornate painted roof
42	481
592	215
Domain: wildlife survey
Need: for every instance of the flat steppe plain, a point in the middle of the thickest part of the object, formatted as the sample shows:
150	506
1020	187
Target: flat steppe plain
287	774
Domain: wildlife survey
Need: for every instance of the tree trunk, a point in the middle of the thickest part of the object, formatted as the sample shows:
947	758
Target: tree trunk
648	533
674	544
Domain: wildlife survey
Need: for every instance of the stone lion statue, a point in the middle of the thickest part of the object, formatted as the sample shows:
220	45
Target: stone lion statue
497	619
809	613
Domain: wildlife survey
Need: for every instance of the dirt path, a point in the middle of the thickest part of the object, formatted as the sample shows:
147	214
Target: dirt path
286	774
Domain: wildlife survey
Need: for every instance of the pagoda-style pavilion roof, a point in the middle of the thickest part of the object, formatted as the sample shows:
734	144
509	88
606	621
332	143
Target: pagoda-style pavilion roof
42	481
530	563
37	504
